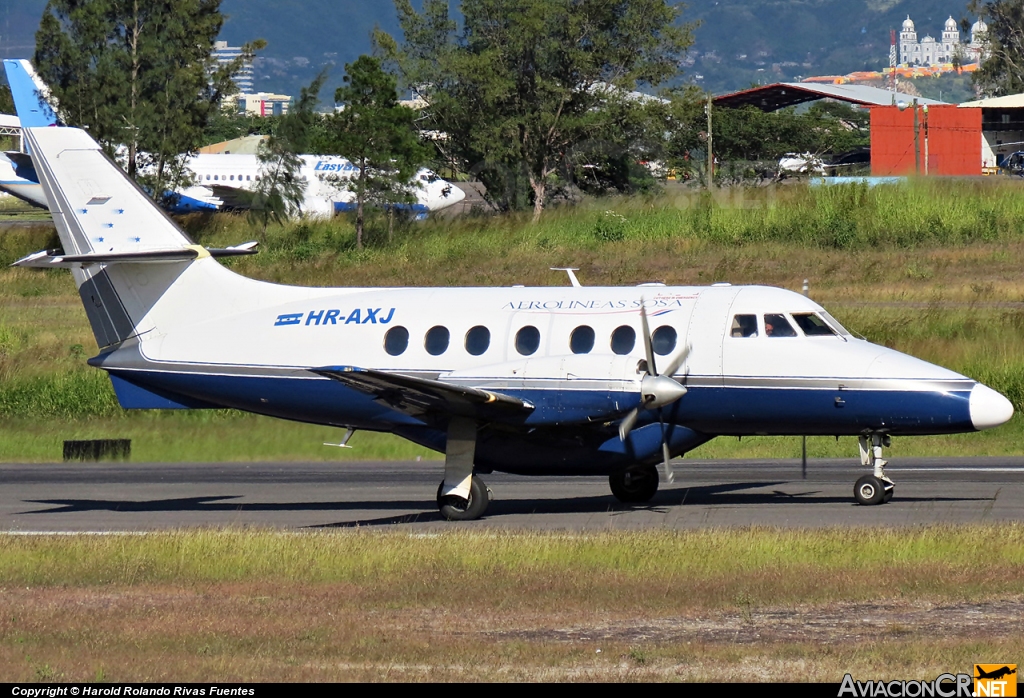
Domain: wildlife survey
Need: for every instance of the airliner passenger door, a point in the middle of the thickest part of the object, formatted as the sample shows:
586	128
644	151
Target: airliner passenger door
706	333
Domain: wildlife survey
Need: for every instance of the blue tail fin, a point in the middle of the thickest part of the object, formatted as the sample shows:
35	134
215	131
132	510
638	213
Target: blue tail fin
31	97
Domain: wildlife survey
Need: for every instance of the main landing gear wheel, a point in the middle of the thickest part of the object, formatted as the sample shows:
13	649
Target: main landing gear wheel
870	490
875	488
635	484
456	508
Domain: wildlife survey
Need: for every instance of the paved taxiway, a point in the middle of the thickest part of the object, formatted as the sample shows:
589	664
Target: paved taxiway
151	496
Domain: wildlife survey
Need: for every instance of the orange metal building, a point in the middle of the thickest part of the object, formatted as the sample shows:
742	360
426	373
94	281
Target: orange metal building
948	141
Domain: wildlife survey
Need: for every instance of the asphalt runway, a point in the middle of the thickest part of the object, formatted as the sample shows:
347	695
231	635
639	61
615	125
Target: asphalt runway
108	497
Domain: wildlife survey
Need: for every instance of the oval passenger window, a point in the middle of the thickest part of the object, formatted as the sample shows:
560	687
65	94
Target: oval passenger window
396	341
581	341
623	339
663	340
477	340
436	340
527	340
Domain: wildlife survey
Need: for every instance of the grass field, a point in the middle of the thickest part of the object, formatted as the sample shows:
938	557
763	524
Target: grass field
932	269
750	604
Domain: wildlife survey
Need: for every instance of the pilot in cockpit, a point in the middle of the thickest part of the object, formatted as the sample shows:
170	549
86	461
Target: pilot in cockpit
744	326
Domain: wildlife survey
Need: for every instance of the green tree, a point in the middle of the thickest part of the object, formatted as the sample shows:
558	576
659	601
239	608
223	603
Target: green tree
6	101
137	74
280	188
378	136
527	85
1002	72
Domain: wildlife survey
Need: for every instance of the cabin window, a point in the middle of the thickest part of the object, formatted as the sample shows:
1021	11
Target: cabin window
396	341
812	325
232	178
215	178
623	339
581	341
207	178
744	326
528	340
776	325
436	340
663	340
477	340
248	178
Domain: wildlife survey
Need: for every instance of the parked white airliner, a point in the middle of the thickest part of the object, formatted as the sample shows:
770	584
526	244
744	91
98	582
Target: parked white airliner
226	181
536	381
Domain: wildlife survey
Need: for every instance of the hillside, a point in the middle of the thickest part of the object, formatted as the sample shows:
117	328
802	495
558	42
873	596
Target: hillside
738	42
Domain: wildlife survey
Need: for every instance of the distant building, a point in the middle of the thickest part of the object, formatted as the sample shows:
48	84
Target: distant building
931	51
225	54
263	104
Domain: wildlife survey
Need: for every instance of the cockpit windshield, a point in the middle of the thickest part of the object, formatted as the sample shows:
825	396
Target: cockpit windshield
835	324
812	325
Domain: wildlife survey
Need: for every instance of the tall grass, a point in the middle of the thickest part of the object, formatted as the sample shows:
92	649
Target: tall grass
370	558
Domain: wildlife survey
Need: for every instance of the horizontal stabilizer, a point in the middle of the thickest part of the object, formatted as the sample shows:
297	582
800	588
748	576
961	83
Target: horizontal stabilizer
50	259
420	397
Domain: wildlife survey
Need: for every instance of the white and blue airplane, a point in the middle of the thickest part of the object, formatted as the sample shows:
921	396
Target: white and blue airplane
226	181
535	381
220	181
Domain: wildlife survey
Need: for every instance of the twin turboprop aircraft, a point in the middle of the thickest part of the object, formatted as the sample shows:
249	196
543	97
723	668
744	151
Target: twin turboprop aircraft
537	381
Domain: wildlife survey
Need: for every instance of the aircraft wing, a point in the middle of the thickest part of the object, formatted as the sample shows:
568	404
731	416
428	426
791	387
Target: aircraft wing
232	197
421	397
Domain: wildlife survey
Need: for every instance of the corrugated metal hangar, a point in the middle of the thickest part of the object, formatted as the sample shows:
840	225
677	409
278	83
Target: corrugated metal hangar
911	134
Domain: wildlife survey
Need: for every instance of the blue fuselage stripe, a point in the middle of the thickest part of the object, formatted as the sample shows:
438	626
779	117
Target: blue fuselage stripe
722	411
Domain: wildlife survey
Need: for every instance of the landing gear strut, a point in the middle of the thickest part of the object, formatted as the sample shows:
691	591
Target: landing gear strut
875	488
461	496
637	483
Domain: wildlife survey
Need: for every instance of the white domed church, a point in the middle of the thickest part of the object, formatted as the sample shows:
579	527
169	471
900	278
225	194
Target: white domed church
931	51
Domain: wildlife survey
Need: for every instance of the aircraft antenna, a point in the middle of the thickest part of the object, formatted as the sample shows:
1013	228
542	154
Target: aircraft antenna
572	276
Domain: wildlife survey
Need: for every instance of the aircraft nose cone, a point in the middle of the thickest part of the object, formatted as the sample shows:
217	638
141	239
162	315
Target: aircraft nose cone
988	408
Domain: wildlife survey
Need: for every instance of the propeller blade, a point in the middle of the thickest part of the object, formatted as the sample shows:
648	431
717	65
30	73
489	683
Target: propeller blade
678	361
669	475
627	424
648	349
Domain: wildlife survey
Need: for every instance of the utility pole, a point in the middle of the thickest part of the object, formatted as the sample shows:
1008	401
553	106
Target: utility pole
917	141
711	150
925	110
803	459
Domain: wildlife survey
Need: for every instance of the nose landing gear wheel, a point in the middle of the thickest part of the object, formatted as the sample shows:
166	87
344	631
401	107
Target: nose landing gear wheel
456	508
635	484
871	490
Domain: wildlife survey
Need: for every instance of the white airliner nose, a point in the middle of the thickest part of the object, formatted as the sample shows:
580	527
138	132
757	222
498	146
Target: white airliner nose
988	408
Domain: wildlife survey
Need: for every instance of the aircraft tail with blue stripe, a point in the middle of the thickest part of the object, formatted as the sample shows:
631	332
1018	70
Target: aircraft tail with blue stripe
126	255
32	98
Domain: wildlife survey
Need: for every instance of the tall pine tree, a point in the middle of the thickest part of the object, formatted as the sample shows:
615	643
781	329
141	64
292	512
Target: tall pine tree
139	75
378	136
